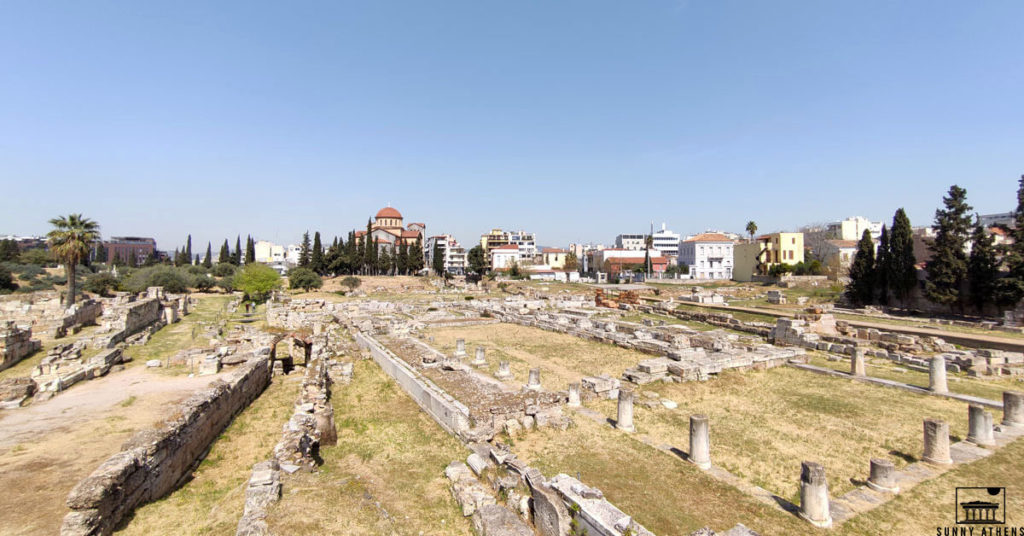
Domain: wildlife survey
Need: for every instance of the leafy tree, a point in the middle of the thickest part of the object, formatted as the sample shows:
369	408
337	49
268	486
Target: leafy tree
223	269
982	267
70	241
351	282
304	278
250	251
203	282
9	251
862	272
751	229
947	269
437	259
208	261
572	263
902	272
227	283
173	280
7	283
151	259
304	250
316	259
477	260
100	253
882	268
37	256
257	280
225	253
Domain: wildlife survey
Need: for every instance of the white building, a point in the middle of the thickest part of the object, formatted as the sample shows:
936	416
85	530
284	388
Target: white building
292	254
630	241
708	255
666	242
503	257
527	243
454	254
853	228
269	252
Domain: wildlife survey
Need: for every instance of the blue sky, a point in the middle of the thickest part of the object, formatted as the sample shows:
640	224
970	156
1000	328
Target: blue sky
577	120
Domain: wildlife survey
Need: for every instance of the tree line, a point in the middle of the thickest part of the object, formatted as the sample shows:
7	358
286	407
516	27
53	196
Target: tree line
966	269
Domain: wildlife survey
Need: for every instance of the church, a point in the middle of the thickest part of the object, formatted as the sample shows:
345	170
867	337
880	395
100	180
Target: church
388	230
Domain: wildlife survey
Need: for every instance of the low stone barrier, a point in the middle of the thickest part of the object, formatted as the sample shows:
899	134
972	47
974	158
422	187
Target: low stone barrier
154	462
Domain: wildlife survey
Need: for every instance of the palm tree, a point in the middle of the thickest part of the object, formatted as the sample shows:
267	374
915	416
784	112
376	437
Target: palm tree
751	229
70	240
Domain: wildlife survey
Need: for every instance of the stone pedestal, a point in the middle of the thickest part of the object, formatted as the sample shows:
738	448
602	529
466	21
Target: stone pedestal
936	442
479	360
979	426
700	442
533	383
883	476
1013	408
814	495
574	395
504	371
937	375
624	421
857	363
460	348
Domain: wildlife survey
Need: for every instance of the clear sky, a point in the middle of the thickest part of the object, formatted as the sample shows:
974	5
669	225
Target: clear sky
577	120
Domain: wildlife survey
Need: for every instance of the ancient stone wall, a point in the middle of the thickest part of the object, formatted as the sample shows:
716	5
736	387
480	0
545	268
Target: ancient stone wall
15	344
155	462
45	312
122	320
451	414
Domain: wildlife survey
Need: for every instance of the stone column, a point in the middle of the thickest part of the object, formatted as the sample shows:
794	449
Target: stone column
936	442
857	363
1013	408
574	395
460	347
979	426
700	443
533	383
624	421
937	375
883	476
504	371
479	360
814	495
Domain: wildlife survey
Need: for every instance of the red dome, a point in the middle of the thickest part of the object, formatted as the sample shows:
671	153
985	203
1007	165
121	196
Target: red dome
388	212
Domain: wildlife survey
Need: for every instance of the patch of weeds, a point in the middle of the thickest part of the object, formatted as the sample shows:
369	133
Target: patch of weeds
128	401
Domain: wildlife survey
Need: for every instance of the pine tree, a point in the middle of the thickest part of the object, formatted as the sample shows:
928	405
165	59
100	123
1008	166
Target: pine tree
236	257
882	268
208	261
304	250
316	260
250	250
862	271
902	272
947	269
438	259
225	253
982	267
188	249
1010	289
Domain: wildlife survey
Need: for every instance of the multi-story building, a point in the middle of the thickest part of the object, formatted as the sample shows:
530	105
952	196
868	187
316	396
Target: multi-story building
124	248
503	257
758	257
630	241
1003	218
585	254
554	257
269	252
453	253
708	256
853	228
292	254
666	242
496	238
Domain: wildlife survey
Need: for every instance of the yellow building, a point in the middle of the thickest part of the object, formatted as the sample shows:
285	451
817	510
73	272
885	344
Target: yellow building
554	257
758	257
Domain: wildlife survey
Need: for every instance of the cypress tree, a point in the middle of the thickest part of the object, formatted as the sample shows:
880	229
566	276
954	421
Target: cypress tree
304	250
383	262
225	253
236	257
177	257
403	259
188	248
316	261
369	249
1010	289
982	267
438	259
250	250
902	273
208	261
882	268
862	271
197	261
947	269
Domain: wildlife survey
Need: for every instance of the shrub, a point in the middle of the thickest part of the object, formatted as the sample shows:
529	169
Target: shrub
168	277
468	298
304	278
203	282
223	269
37	256
196	269
100	283
351	282
227	283
257	280
7	283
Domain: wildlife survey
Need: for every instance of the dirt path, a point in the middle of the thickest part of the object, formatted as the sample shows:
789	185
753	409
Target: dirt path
46	448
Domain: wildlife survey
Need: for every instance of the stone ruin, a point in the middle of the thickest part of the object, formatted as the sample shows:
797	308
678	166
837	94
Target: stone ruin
45	312
15	344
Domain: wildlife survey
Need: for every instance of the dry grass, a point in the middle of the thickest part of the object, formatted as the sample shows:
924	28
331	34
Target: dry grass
562	358
763	424
181	335
386	474
212	502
